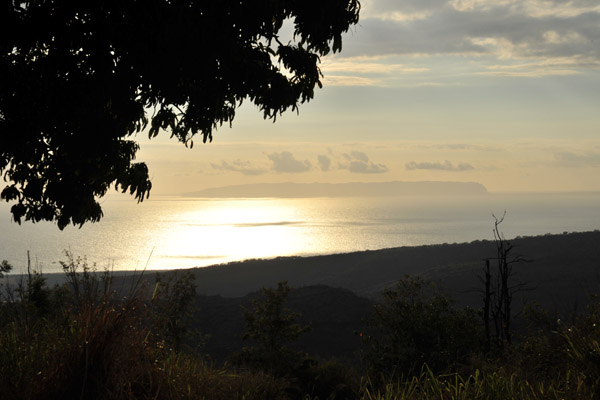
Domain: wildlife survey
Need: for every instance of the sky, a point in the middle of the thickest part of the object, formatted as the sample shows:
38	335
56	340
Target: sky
501	92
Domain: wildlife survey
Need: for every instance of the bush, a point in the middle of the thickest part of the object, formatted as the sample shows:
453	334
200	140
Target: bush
330	380
97	344
416	324
270	327
582	344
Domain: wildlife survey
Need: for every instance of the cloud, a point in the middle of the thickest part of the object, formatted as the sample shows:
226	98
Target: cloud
243	167
528	70
453	146
359	66
342	80
505	31
361	167
532	8
554	37
571	159
285	162
445	166
324	162
414	8
359	164
359	155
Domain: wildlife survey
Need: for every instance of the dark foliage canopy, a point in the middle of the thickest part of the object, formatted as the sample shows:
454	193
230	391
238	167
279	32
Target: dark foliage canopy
414	324
79	78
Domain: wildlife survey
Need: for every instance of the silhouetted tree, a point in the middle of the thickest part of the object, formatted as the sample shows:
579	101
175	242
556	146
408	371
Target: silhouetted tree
415	323
271	326
173	300
499	291
78	79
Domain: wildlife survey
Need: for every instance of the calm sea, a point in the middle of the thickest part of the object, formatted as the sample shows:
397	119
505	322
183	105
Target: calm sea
175	232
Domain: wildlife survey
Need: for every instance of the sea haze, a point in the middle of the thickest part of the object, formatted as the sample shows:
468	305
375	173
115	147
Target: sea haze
183	232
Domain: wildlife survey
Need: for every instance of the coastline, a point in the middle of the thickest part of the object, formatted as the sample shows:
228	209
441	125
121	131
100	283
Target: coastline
564	269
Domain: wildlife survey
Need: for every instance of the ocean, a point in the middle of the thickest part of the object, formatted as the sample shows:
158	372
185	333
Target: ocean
177	232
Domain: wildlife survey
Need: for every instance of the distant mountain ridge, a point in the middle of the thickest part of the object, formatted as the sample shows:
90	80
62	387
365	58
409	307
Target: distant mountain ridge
351	189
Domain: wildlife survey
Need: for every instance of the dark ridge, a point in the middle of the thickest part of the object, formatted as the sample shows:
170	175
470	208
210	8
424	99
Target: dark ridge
335	317
563	272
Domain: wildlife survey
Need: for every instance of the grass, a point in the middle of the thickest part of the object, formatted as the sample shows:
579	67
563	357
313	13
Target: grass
495	385
85	340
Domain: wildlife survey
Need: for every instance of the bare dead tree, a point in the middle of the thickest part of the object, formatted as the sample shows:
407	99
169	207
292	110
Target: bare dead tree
498	292
487	299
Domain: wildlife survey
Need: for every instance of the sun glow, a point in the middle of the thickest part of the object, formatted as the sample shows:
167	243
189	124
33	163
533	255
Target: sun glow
227	230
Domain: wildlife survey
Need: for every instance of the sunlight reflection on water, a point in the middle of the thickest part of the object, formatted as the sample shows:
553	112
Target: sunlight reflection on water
231	230
172	232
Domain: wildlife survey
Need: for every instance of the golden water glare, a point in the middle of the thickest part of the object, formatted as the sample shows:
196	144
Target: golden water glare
232	230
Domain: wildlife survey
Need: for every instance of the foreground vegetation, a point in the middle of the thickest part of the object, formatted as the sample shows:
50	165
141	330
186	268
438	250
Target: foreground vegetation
90	339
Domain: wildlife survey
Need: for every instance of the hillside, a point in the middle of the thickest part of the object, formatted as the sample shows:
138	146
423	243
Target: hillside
563	271
334	316
335	293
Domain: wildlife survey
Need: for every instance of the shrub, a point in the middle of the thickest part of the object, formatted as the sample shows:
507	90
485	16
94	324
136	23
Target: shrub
270	327
97	344
414	324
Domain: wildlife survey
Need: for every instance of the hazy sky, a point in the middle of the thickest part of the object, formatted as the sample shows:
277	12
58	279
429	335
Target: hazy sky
501	92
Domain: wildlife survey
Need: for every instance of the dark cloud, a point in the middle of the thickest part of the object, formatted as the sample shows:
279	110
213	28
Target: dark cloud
445	166
324	162
359	164
404	6
510	30
356	155
243	167
377	37
361	167
285	162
